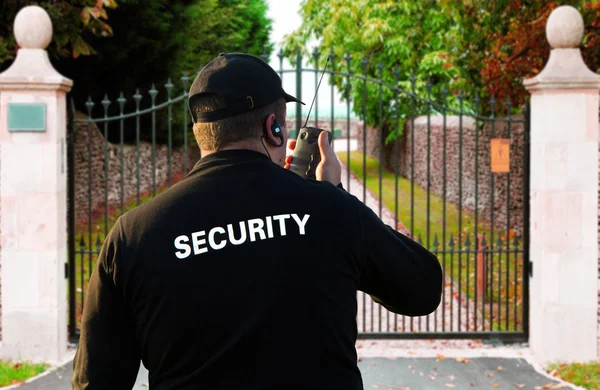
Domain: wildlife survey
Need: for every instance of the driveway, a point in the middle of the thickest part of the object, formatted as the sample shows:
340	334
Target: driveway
394	373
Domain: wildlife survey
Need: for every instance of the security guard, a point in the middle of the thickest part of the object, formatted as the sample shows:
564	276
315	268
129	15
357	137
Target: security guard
244	274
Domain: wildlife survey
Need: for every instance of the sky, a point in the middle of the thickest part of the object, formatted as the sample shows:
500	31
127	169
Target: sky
286	18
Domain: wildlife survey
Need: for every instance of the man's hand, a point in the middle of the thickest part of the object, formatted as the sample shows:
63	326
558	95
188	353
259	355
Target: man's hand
329	169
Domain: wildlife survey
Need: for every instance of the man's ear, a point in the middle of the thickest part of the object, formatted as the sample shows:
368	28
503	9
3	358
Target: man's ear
269	127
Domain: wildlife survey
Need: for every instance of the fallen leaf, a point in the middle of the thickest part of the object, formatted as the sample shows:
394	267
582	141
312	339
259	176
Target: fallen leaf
489	374
462	360
500	368
375	386
553	386
432	377
553	373
520	385
450	385
440	356
495	385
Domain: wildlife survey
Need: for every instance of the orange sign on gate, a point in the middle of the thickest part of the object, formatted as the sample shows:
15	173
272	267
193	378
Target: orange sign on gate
500	155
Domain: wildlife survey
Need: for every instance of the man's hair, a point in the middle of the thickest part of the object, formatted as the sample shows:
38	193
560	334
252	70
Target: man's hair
246	126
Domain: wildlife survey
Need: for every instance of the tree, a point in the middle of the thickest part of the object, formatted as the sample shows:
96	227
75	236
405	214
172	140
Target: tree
71	19
157	40
499	43
474	48
403	36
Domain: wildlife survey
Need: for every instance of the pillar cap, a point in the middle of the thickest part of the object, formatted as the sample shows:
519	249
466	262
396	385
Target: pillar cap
31	69
564	29
33	28
565	68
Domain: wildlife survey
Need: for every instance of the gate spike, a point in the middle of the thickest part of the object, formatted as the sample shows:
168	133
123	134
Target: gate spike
280	54
332	54
348	58
121	100
516	241
105	103
184	80
316	54
98	242
169	86
476	100
468	243
264	54
153	92
82	243
493	105
89	104
436	244
483	242
499	243
451	241
137	95
364	64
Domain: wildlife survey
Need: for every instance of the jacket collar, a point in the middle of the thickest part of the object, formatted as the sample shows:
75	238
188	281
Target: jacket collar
230	156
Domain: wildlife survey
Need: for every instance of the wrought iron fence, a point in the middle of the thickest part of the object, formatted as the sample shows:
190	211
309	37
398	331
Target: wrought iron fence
433	181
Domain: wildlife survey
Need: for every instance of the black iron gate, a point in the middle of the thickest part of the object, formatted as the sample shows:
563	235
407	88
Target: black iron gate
453	179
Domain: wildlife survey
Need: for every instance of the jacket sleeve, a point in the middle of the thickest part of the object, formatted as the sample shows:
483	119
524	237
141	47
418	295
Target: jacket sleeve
107	356
397	272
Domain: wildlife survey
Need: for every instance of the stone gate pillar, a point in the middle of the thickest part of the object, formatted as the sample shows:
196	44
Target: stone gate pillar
33	197
564	198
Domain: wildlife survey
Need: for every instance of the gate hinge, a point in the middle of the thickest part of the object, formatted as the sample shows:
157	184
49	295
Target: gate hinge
66	270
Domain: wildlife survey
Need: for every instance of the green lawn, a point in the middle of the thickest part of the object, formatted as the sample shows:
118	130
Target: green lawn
441	225
13	373
585	375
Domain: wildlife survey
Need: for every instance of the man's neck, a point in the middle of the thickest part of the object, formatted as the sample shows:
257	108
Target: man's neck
236	145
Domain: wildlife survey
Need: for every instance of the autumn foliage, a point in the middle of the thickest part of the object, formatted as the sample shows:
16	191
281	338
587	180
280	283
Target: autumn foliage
521	51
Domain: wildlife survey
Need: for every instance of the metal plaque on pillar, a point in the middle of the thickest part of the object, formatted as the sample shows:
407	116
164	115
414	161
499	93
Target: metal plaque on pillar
25	117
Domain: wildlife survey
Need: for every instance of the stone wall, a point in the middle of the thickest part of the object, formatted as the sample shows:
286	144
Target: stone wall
92	144
465	177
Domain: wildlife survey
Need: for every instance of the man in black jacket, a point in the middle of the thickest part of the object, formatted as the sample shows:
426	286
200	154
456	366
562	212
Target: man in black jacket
244	275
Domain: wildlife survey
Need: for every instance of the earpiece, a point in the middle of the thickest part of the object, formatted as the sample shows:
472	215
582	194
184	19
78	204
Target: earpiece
277	132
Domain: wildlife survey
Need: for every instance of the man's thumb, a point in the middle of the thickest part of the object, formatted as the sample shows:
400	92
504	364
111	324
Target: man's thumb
324	146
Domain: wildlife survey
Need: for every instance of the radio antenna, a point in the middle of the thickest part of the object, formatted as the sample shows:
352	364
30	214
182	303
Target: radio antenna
315	98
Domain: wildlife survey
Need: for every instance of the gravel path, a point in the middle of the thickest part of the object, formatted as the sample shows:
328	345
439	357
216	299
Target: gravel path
452	315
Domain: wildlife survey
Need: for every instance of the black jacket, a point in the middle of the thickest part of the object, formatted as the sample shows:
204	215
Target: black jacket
244	276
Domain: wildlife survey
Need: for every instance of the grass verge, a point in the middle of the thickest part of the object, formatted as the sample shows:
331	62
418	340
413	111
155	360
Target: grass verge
586	375
443	223
12	373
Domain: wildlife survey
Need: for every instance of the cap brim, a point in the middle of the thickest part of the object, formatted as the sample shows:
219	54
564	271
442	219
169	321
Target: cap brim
290	98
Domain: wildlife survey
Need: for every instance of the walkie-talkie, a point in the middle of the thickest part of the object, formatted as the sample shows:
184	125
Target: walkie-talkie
306	155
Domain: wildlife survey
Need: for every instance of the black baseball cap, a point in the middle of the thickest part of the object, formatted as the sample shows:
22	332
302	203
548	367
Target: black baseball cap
244	81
